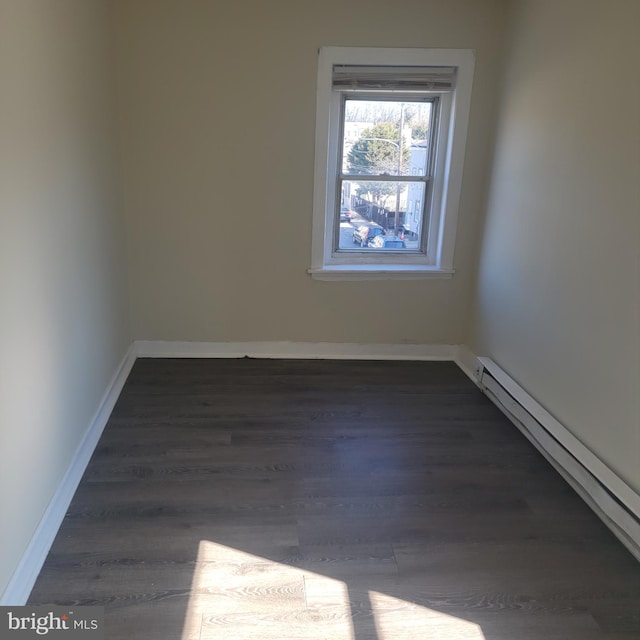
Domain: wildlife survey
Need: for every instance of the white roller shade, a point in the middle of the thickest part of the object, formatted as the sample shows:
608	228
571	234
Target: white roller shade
393	79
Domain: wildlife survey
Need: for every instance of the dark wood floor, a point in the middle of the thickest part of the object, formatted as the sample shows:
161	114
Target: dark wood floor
262	499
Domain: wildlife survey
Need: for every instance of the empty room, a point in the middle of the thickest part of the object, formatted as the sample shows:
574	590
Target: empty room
320	320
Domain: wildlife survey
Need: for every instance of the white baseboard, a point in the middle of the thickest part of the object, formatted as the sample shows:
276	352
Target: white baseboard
612	499
298	350
24	577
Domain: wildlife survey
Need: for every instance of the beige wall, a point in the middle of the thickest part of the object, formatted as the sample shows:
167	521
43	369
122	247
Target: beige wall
63	324
558	293
217	101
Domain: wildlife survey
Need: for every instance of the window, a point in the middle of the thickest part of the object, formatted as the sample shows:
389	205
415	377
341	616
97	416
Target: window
390	138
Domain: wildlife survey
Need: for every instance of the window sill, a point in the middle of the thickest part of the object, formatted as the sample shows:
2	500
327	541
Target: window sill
378	272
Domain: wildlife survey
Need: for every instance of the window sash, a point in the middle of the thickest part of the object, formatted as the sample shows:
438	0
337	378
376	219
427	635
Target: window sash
426	179
434	100
424	227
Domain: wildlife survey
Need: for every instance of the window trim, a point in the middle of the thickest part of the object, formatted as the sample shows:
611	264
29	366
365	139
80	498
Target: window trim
438	261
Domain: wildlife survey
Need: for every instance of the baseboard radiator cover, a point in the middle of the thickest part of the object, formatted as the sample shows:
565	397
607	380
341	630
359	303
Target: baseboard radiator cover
613	501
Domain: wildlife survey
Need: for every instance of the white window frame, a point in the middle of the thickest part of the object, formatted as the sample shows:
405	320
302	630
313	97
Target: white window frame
437	260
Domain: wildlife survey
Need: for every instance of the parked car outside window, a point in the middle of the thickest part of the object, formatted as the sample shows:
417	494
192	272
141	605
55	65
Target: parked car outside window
346	214
363	234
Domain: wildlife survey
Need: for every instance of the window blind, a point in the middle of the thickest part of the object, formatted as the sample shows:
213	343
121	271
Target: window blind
393	79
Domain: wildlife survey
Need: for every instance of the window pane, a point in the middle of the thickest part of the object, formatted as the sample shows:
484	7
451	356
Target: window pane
372	144
368	209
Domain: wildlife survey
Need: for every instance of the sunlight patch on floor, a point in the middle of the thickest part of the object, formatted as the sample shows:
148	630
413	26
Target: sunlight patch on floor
397	619
237	595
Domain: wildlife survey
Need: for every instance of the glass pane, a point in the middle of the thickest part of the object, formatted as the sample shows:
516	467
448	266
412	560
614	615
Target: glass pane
372	144
368	217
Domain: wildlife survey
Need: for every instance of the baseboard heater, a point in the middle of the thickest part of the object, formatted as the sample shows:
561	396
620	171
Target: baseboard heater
614	501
